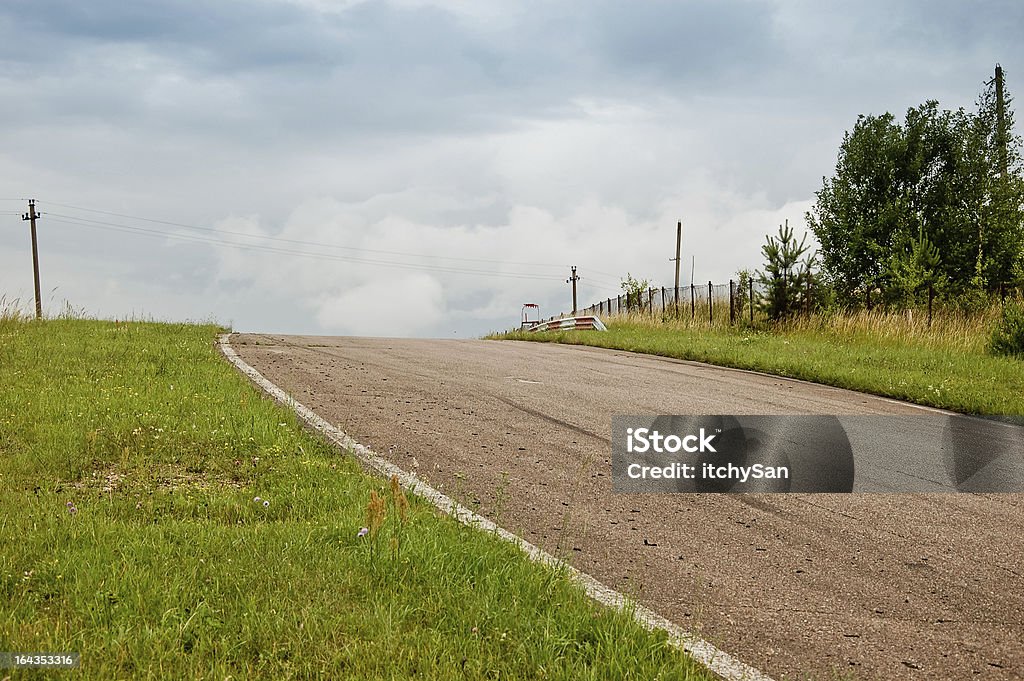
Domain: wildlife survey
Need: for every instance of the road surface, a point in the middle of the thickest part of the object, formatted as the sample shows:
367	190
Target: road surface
864	586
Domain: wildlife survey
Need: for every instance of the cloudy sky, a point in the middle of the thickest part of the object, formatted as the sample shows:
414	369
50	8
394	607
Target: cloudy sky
423	167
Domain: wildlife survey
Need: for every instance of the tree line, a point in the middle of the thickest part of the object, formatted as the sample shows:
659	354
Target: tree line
930	205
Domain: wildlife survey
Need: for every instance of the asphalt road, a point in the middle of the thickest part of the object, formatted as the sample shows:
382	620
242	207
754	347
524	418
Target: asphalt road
864	586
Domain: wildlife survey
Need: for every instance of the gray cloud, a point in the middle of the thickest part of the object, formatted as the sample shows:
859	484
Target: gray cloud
562	133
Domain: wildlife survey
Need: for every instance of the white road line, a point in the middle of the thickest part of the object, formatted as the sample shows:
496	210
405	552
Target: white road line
718	661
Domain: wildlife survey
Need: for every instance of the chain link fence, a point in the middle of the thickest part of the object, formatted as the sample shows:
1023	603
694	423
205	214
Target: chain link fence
730	303
709	303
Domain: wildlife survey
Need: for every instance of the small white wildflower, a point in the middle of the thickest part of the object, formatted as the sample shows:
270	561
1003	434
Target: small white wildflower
266	503
257	499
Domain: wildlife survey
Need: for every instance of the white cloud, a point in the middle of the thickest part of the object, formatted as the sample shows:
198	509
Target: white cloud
469	279
507	141
404	305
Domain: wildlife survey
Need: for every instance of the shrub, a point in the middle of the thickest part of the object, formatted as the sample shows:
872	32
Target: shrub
1008	333
635	290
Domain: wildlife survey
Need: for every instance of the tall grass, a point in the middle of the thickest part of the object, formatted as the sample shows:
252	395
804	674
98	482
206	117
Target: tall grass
164	520
897	354
949	328
953	330
10	310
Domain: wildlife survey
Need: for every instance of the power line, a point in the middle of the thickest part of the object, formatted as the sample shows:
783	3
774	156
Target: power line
95	224
293	241
611	278
82	222
85	222
602	280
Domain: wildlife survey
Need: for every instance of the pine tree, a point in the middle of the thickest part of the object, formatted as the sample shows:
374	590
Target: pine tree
787	273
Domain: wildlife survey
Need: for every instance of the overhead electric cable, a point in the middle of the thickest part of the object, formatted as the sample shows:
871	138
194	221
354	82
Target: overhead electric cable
301	242
598	279
95	224
609	278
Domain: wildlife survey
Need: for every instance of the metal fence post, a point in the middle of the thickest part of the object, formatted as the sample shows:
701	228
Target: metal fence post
732	305
750	282
711	316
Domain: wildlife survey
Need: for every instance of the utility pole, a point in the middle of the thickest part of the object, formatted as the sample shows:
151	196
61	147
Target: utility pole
31	215
1001	136
572	280
1001	142
679	241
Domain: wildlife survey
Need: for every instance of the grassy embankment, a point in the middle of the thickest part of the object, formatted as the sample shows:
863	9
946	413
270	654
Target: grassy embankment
131	456
895	355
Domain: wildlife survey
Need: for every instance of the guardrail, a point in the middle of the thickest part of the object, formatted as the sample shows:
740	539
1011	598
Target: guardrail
578	323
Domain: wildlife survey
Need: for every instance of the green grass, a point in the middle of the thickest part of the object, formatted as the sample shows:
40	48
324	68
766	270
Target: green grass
946	365
130	457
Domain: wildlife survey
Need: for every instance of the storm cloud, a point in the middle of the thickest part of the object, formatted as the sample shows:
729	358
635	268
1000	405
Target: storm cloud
418	167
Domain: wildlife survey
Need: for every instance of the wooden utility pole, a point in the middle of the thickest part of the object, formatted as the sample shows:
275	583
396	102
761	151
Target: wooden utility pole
572	280
1001	136
31	215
